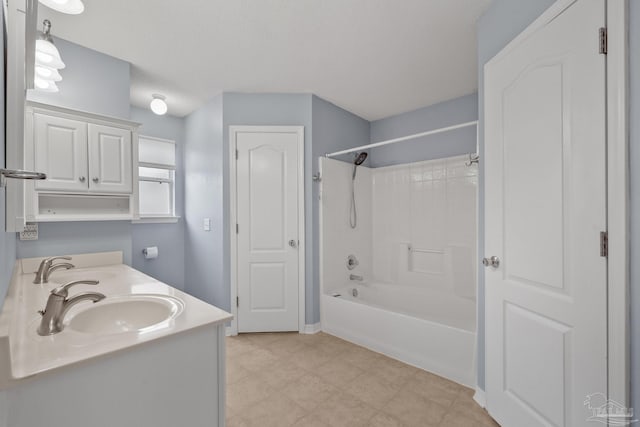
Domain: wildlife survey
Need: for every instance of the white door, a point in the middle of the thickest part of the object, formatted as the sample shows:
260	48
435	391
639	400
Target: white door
267	194
110	164
61	153
545	195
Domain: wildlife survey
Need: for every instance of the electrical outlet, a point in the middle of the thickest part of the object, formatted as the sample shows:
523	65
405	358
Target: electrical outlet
30	231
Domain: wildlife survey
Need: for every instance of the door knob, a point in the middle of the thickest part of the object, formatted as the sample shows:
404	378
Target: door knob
293	243
95	179
81	179
494	262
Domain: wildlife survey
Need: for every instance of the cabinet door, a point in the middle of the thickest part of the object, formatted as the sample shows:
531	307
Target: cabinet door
110	165
61	152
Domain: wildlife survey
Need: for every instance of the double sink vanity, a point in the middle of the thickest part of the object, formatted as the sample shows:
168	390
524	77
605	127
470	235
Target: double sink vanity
99	332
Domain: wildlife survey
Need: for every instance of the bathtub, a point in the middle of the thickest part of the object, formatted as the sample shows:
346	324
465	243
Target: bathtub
426	328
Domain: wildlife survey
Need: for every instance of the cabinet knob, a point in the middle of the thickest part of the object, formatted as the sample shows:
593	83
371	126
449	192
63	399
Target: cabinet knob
81	179
95	179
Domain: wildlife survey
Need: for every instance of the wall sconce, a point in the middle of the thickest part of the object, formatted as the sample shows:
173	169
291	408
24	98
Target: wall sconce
48	61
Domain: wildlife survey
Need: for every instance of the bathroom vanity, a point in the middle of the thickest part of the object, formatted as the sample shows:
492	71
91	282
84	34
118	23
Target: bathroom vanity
146	354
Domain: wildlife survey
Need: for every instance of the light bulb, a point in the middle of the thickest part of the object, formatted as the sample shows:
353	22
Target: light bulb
45	85
41	83
71	7
48	73
47	54
44	57
158	105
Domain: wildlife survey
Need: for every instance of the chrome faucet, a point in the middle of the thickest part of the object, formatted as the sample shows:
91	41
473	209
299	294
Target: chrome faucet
58	304
356	277
47	267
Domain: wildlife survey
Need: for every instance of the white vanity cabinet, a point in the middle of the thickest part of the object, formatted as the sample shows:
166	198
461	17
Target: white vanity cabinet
90	162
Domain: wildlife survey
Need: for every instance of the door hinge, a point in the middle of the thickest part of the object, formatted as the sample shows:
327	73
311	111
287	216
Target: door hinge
236	154
604	244
603	40
237	229
237	301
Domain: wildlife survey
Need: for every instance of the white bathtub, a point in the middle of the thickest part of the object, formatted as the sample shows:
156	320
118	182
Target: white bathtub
425	328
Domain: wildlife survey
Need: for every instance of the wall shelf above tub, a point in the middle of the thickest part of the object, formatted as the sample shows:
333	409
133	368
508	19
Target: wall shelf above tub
91	162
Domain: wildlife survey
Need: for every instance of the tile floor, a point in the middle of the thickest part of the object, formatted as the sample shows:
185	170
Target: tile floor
289	379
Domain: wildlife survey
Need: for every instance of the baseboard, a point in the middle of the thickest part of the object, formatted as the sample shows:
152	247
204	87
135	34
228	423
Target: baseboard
311	329
228	331
480	397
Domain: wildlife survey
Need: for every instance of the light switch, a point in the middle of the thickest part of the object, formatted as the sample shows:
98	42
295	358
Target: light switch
207	224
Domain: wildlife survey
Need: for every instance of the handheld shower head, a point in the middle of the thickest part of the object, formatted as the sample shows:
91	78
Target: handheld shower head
357	161
360	158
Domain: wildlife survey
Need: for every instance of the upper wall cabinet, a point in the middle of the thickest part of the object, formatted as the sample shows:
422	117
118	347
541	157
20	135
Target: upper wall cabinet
61	153
90	162
110	154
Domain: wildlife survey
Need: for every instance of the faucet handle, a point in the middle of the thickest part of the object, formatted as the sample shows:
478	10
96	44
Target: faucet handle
63	291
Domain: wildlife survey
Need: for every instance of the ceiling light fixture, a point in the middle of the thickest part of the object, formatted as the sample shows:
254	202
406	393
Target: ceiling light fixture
158	104
48	61
71	7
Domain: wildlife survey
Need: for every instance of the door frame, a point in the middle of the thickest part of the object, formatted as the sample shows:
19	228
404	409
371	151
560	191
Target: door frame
233	218
618	377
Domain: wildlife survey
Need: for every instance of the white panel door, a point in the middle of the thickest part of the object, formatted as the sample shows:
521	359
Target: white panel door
110	164
545	194
267	244
61	153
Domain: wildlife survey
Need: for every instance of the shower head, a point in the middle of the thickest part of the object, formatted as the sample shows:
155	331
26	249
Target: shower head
360	158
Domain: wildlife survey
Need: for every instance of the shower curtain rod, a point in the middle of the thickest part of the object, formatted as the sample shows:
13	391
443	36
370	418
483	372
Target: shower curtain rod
404	138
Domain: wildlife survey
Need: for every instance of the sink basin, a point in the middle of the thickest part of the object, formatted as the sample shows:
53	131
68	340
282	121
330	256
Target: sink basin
73	275
131	313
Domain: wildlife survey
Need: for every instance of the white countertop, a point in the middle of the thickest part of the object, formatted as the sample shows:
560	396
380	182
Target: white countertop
31	353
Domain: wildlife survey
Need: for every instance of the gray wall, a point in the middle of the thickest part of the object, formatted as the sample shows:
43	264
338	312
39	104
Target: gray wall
634	149
267	110
334	129
78	238
452	143
327	128
91	81
95	82
205	252
7	240
504	20
99	83
169	238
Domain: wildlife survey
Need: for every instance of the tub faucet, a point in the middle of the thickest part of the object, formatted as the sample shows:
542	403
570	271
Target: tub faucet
58	304
356	277
47	267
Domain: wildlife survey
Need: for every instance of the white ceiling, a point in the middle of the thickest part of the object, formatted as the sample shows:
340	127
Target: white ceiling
375	58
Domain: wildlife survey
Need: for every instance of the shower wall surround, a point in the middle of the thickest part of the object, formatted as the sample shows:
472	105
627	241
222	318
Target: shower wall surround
339	239
416	244
424	225
417	225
